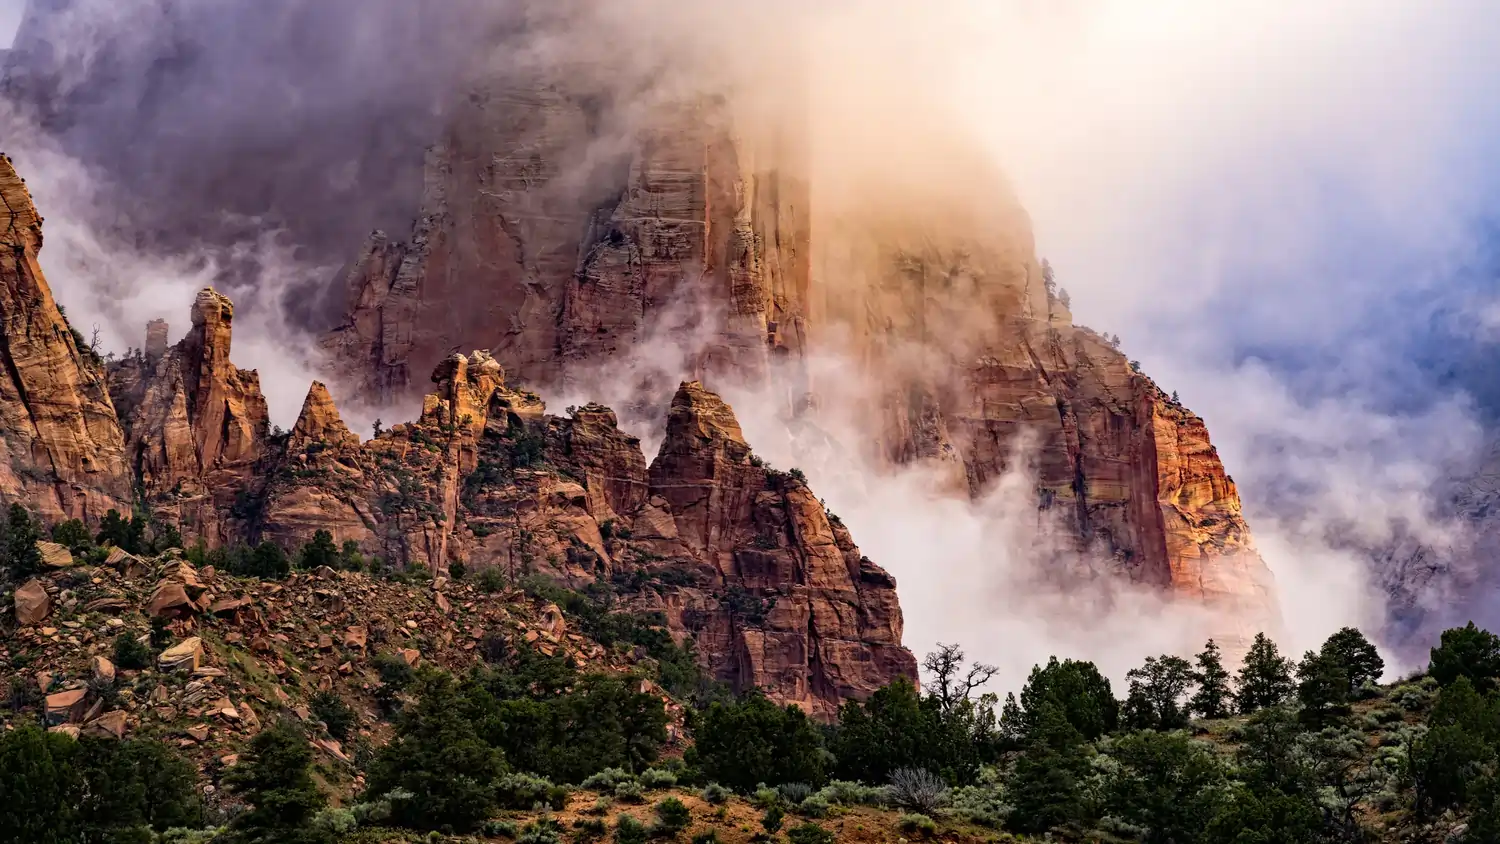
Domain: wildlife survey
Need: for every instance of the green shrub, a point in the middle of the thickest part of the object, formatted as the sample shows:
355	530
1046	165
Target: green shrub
795	792
131	653
849	793
457	570
523	791
600	806
628	830
335	714
765	797
715	794
545	831
772	820
335	822
630	791
917	824
500	829
491	580
813	807
707	837
607	779
590	829
672	817
655	778
809	833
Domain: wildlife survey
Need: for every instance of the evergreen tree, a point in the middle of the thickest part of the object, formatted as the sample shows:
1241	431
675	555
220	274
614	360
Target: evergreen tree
1166	783
1270	754
115	530
135	787
22	558
1443	763
1467	651
1213	696
73	534
438	756
319	552
1356	655
753	741
1266	677
275	778
1264	816
1081	694
40	788
268	561
1156	692
1046	789
1322	689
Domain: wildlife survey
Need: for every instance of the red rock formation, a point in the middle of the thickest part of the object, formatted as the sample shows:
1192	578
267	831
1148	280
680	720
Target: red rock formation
743	560
936	292
824	624
198	424
579	259
63	443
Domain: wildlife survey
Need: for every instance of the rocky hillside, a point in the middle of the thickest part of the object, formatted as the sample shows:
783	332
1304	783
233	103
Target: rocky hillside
747	562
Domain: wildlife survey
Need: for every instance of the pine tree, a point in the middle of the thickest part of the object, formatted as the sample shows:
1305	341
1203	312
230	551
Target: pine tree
1156	692
1266	677
22	557
1468	651
114	530
319	552
275	778
1213	696
1322	689
1351	651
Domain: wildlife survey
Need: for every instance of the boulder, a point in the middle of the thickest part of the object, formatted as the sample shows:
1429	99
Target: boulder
169	600
109	725
68	706
55	556
102	669
355	637
33	605
183	656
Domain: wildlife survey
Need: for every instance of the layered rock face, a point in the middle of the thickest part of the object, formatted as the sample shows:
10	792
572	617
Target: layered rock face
727	253
63	442
197	424
742	560
579	258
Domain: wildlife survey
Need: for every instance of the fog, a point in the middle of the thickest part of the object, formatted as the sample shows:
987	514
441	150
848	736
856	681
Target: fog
1269	202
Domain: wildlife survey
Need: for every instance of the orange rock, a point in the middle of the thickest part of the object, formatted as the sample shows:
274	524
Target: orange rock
66	706
32	603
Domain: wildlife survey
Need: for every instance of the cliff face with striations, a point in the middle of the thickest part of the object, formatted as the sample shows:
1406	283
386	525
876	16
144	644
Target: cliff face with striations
725	251
62	440
580	257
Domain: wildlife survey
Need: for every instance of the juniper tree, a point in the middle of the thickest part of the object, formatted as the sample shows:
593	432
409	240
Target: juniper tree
1156	692
1266	677
1360	660
1213	696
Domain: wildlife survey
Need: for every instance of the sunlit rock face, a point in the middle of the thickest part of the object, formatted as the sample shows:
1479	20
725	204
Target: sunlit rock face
64	448
564	262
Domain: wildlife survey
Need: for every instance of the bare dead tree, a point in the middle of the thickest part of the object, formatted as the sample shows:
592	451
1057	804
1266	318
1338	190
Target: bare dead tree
950	684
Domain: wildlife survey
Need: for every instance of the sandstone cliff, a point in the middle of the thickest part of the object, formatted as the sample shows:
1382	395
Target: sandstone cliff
742	560
63	442
725	253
